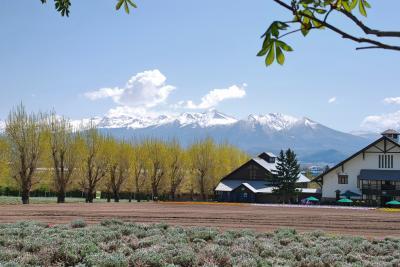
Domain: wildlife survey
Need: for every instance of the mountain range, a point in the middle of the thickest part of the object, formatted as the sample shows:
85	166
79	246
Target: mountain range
312	141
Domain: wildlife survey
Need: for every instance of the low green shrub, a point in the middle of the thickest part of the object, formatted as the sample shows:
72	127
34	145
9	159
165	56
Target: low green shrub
116	243
78	223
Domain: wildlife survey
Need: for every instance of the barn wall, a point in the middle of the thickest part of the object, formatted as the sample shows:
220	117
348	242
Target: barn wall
244	172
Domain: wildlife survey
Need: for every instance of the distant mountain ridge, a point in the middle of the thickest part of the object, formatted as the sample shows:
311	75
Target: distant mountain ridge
312	141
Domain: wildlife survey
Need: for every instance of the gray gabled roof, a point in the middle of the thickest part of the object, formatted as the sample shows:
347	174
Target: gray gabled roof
271	167
387	175
255	186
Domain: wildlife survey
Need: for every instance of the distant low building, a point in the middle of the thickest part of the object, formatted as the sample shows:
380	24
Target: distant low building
371	174
253	182
315	170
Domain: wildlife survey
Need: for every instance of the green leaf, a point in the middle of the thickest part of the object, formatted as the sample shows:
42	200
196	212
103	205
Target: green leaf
353	4
126	7
308	12
346	6
367	4
271	56
263	51
316	24
284	46
119	4
132	3
280	57
339	4
361	8
274	30
305	28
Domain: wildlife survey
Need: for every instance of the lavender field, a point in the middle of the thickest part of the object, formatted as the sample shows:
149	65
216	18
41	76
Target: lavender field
116	243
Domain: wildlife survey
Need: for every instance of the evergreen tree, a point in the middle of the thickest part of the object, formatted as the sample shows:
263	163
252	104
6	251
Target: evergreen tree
286	175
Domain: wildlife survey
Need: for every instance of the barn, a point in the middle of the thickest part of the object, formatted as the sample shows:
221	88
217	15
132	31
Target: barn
252	182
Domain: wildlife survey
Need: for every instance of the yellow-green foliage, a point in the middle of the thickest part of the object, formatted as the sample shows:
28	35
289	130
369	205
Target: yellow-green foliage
149	166
5	177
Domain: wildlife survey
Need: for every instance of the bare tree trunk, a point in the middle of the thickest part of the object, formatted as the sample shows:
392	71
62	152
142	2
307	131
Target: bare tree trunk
61	196
172	194
202	187
116	196
25	195
89	195
155	192
137	195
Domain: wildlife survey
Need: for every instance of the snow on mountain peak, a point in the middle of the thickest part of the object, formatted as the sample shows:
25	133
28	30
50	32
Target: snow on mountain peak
276	121
279	121
209	118
310	123
205	119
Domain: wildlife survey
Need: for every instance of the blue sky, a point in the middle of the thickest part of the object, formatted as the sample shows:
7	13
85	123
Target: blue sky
48	61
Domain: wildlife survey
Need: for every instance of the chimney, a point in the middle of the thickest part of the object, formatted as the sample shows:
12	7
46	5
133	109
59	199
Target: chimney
392	134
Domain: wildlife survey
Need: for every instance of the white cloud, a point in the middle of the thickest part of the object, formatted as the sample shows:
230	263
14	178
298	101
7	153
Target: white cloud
104	93
127	111
214	97
382	122
144	90
332	100
392	100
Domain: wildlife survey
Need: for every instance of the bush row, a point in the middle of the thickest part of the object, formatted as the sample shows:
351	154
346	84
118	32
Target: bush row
116	243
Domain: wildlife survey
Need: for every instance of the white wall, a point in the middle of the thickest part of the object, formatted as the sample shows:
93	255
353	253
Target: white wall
352	169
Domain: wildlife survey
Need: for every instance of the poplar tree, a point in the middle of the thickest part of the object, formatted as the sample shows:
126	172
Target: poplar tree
95	163
203	162
176	171
64	154
24	132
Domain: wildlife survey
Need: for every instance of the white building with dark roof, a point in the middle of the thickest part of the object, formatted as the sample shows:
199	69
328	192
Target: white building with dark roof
253	182
371	174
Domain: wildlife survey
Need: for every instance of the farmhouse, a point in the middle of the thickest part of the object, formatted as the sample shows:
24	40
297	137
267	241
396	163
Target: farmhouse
253	182
372	174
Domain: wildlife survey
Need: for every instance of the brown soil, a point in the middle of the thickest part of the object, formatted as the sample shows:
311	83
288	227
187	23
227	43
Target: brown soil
369	223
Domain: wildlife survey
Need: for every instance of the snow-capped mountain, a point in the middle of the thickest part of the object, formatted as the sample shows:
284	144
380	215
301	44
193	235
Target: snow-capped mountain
276	121
255	133
194	120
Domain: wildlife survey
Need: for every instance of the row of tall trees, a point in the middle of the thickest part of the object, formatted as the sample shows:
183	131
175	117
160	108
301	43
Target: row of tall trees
44	150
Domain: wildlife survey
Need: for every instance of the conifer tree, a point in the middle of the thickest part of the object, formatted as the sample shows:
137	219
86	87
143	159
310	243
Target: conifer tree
286	175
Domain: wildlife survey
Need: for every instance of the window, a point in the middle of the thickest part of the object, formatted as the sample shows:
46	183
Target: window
385	161
343	179
369	197
397	185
